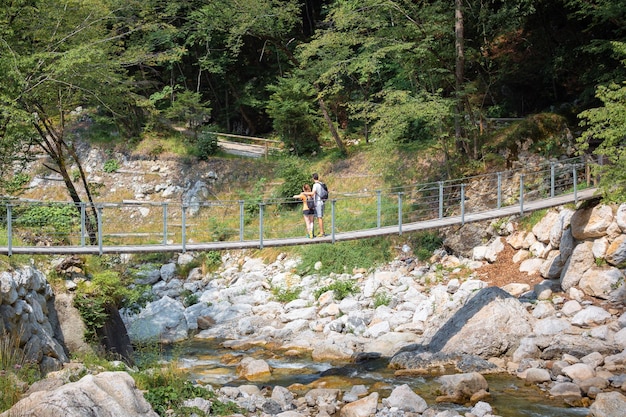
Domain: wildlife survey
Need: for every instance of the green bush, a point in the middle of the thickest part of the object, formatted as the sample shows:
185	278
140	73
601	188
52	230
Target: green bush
291	170
381	299
167	387
285	295
424	244
111	165
56	219
341	288
105	289
206	144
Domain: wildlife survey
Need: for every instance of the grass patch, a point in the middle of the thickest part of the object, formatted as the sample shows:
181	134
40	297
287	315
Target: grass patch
344	256
285	295
424	244
382	299
207	261
529	220
15	372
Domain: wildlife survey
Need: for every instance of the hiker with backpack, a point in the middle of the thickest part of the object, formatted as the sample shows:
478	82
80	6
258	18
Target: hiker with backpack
308	208
320	195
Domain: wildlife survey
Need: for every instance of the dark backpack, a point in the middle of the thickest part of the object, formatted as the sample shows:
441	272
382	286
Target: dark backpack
324	193
310	203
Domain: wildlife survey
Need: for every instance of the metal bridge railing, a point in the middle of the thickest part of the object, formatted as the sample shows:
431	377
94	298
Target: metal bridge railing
27	224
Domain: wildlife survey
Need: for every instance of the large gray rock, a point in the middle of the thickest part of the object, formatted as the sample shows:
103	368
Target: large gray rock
364	407
109	394
463	240
592	222
620	217
616	252
600	281
26	307
459	388
542	230
581	260
71	324
489	324
405	399
162	320
608	404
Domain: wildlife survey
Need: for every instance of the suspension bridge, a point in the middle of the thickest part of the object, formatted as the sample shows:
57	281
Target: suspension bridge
49	228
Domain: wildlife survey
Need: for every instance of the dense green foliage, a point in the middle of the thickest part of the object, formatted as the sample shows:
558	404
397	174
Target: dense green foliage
53	221
315	73
105	289
606	132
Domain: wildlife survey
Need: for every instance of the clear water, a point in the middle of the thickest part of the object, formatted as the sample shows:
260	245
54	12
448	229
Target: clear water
208	363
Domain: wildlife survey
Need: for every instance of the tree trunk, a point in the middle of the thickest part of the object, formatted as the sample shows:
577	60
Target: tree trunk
53	145
320	101
331	127
459	72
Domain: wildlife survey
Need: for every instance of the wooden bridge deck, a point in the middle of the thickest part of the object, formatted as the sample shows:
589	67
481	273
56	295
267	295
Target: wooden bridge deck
335	237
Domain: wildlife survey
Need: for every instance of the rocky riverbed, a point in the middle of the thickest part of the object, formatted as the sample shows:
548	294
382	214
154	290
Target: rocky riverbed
557	323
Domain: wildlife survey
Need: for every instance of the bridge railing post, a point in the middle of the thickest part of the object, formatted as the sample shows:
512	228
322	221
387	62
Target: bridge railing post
164	205
99	224
400	194
10	229
441	199
499	204
183	231
575	183
552	179
261	205
462	204
378	207
521	194
241	219
332	219
83	220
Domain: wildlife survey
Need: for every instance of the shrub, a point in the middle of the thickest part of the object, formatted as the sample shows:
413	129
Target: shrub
381	299
105	289
341	288
56	220
167	387
206	144
285	295
291	171
111	165
425	243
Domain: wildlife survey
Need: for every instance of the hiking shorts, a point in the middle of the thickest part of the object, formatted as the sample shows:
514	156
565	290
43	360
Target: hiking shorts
319	209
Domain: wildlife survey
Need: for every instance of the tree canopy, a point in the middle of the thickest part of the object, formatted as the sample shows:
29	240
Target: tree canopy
312	72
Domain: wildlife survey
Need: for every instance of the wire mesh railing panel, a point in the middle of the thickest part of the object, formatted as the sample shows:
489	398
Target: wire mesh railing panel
212	222
43	224
29	224
130	224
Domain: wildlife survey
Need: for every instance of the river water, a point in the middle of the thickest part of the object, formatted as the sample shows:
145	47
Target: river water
209	363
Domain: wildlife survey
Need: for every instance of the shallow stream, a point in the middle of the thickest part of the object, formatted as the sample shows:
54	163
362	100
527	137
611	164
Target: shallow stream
209	363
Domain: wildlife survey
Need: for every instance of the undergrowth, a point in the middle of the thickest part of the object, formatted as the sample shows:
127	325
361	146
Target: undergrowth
343	257
166	387
15	371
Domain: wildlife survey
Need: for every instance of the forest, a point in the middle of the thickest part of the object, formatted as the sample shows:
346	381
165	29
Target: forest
309	72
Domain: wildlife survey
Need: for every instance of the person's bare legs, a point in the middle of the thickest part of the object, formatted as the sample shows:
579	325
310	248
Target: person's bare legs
320	223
